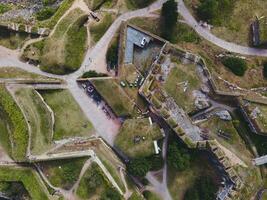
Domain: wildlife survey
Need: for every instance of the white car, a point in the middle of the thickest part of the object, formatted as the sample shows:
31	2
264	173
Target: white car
143	42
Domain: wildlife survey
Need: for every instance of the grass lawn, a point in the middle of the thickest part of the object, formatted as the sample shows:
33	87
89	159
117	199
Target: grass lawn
63	173
237	28
235	142
175	88
13	72
29	178
132	128
63	51
38	117
180	182
17	126
69	119
94	184
98	30
120	103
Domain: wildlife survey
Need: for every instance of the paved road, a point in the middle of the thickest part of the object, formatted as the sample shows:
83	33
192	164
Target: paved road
190	20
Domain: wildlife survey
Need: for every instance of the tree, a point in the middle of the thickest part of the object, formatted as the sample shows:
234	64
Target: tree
110	194
265	69
45	13
237	65
178	157
138	167
169	16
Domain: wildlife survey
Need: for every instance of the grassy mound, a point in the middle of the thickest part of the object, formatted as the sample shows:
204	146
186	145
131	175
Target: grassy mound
19	132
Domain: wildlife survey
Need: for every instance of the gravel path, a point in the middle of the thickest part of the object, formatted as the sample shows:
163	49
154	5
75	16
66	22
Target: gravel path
205	33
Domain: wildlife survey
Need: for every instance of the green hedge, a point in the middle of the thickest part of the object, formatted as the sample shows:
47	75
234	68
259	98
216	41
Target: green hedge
19	135
237	65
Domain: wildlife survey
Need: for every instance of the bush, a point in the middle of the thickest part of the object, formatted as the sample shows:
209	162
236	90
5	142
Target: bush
4	8
45	13
110	194
169	16
215	11
112	54
237	65
178	157
141	3
48	2
93	73
265	69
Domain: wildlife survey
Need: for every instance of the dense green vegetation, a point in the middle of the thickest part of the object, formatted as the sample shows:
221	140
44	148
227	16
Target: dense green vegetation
237	65
140	166
178	158
48	2
184	33
63	173
265	69
30	180
93	73
94	183
45	13
169	16
14	189
19	133
215	11
203	188
112	54
4	7
139	3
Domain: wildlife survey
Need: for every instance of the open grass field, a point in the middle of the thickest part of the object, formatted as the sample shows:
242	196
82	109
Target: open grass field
180	182
174	85
115	96
133	128
63	51
235	143
98	30
69	119
16	127
63	173
13	72
39	118
30	180
237	28
94	185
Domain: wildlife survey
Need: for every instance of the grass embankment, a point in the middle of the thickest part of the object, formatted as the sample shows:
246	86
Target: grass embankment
17	127
63	51
98	30
175	85
30	180
39	118
137	128
115	96
94	184
69	119
13	72
63	173
51	22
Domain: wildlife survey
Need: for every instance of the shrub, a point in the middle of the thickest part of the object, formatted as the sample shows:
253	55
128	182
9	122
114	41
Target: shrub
111	194
169	16
112	54
265	69
4	8
138	167
48	2
141	3
45	13
237	65
93	73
